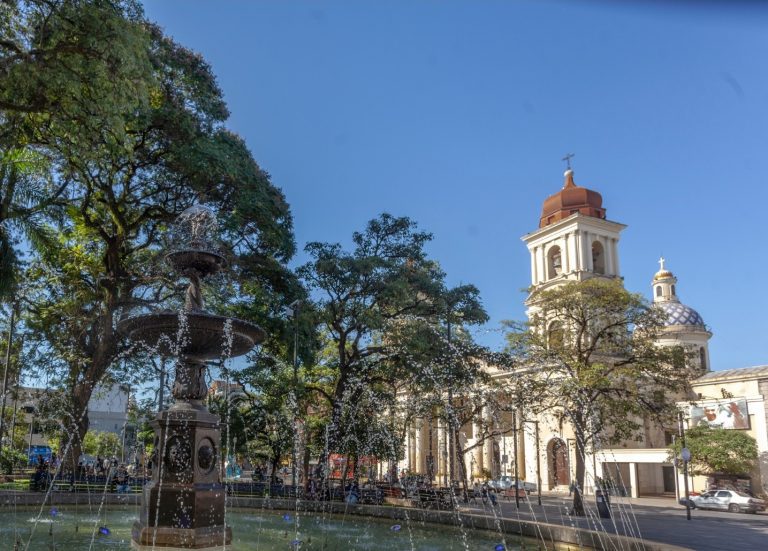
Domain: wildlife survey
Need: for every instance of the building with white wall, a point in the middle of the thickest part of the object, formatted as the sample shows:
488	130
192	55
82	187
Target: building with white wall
575	241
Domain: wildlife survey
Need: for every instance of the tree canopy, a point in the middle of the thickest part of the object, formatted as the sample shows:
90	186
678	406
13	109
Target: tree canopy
717	451
131	128
593	346
381	308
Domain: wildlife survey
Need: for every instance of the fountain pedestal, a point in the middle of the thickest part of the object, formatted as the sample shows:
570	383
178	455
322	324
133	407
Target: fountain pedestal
183	506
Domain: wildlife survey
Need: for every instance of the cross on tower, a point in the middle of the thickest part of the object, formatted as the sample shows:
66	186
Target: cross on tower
568	158
661	263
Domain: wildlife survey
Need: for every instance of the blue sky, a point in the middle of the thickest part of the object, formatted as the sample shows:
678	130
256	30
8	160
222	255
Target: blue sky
457	114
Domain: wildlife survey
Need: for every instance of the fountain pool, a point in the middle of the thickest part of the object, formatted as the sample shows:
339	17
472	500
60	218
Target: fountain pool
71	529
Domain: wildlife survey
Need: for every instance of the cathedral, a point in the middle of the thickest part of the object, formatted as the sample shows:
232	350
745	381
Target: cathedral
576	241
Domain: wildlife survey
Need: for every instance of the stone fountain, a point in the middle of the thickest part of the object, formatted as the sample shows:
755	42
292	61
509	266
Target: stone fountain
183	505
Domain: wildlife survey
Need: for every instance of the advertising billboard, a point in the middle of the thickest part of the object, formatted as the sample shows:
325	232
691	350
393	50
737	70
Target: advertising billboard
730	413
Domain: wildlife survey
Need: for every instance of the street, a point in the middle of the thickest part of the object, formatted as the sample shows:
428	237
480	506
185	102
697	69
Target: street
657	519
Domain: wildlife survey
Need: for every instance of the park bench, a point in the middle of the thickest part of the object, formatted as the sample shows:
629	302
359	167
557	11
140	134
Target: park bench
372	496
392	491
509	493
433	498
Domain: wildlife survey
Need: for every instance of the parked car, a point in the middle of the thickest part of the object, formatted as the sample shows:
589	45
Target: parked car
726	500
506	482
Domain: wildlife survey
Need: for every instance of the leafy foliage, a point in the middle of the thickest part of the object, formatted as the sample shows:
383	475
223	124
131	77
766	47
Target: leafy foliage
101	444
717	450
381	308
593	346
131	128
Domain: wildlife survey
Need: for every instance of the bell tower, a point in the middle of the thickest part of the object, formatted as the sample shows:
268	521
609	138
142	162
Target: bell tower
574	241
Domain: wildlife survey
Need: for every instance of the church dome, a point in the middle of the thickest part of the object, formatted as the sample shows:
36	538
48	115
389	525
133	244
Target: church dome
570	200
680	314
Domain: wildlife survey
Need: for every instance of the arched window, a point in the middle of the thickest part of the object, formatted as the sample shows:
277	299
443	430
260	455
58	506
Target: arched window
703	358
598	258
555	335
673	290
658	290
554	262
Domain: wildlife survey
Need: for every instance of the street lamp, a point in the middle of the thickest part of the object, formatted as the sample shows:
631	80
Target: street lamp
686	456
294	310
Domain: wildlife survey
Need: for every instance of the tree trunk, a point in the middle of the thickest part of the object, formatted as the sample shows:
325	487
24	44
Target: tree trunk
462	464
275	467
578	497
76	427
333	428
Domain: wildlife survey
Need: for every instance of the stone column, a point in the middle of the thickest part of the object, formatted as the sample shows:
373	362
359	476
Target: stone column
577	248
476	454
534	272
566	255
615	249
441	456
633	479
608	246
541	264
586	252
420	445
521	467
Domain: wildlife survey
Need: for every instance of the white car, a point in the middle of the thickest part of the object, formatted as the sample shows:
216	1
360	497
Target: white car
726	500
506	482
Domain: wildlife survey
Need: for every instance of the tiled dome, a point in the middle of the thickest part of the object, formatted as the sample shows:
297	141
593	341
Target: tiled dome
680	314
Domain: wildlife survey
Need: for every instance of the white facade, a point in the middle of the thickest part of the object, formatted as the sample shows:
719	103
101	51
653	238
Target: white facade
108	409
574	243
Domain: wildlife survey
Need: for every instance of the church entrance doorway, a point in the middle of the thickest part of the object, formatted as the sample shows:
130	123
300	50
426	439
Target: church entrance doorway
557	461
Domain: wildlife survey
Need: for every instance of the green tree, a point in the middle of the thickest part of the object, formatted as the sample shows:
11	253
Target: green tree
592	346
262	416
126	181
69	70
717	450
378	308
102	444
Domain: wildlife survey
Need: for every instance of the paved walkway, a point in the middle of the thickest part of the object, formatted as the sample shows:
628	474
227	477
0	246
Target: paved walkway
657	519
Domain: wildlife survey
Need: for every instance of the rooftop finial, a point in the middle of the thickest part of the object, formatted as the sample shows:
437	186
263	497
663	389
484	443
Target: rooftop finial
661	263
568	182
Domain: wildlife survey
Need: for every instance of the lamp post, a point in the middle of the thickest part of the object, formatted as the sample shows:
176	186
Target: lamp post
514	452
538	462
686	456
294	306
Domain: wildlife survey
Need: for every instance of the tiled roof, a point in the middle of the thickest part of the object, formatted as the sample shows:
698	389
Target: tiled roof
759	371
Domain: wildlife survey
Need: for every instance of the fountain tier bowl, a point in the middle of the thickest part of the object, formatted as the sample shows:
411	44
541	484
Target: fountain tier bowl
192	334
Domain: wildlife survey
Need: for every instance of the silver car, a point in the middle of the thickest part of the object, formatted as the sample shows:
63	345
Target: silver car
727	500
507	482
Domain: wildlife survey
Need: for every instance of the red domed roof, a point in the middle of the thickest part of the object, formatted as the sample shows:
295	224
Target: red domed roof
570	200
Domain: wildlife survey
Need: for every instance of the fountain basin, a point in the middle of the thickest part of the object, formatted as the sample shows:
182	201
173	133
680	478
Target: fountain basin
193	334
265	529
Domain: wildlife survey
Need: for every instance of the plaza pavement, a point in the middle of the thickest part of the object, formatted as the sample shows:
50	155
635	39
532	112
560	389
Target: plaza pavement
657	519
